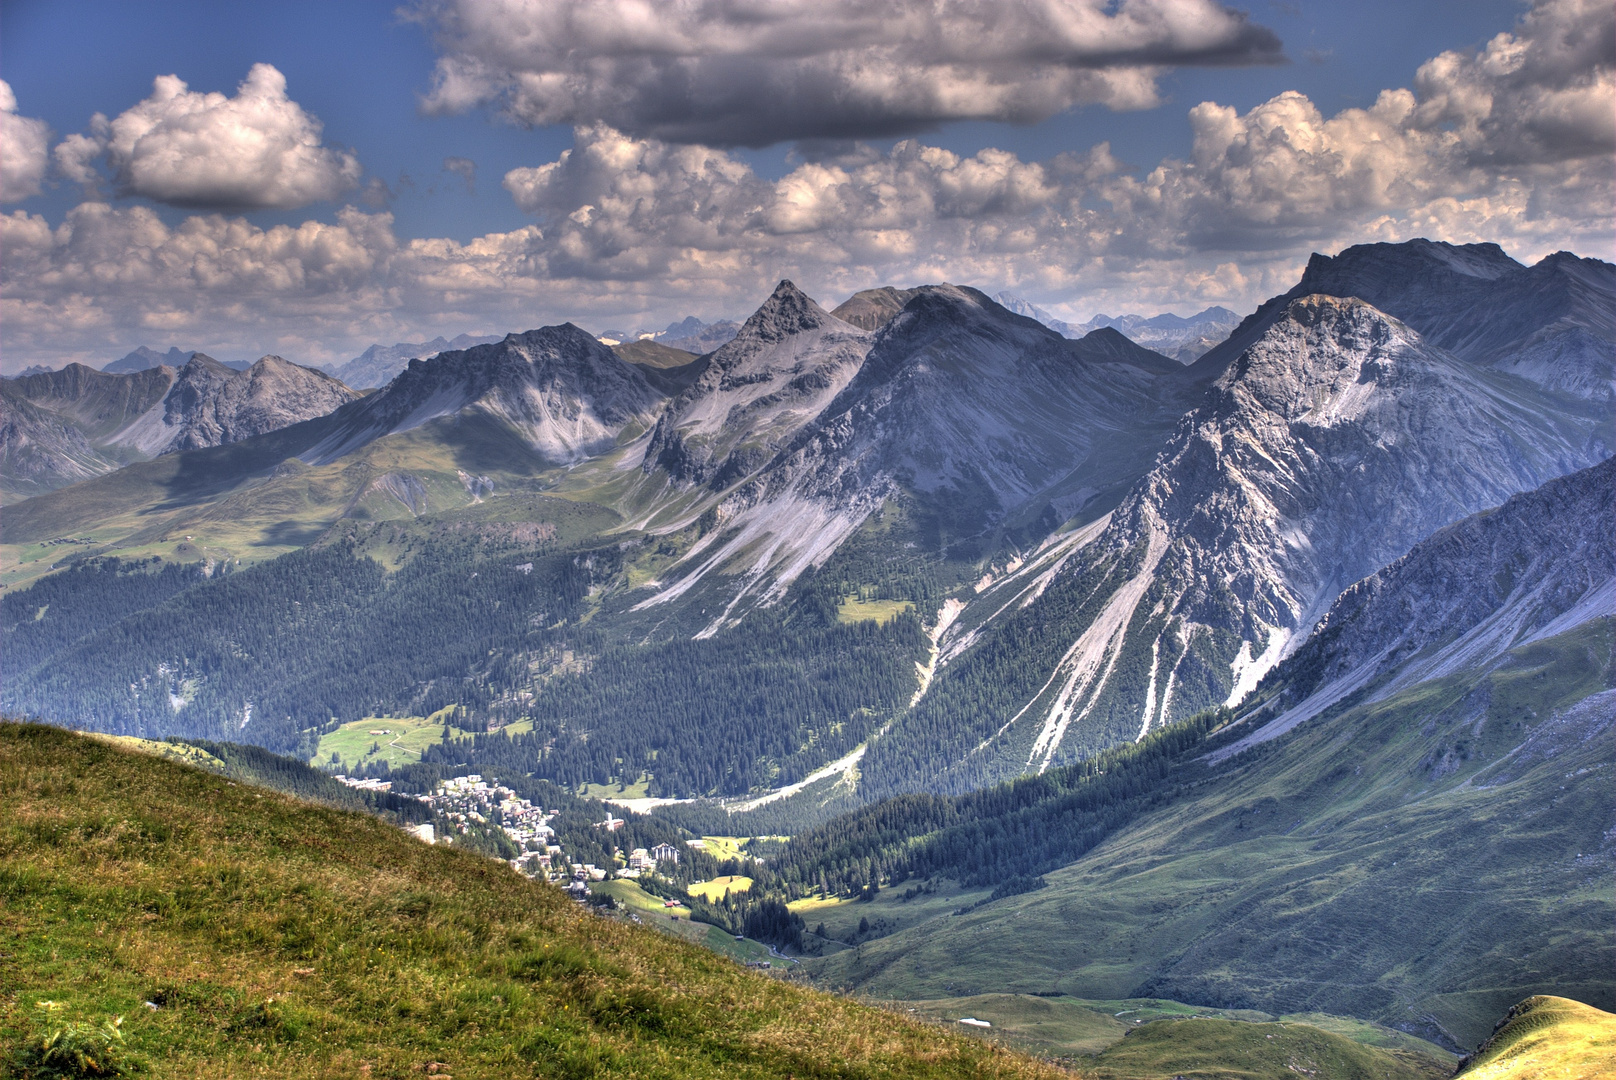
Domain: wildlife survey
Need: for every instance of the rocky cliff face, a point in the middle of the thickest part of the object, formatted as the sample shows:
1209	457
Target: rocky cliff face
40	451
974	411
567	395
1541	564
1334	442
210	404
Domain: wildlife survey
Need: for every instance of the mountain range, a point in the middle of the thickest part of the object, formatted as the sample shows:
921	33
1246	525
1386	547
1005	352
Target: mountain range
1185	339
1301	649
1402	821
61	427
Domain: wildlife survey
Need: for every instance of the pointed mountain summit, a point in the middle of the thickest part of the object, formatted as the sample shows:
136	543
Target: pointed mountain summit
961	397
564	394
968	412
755	392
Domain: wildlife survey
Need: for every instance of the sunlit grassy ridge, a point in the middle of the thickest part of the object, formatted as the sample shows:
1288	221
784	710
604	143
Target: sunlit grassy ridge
1547	1037
283	939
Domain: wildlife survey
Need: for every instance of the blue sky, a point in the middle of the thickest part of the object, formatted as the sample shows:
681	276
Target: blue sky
1087	235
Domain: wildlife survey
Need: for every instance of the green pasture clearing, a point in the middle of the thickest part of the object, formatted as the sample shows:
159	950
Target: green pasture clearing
676	921
725	847
888	913
854	610
397	740
1069	1027
640	789
1215	1049
714	890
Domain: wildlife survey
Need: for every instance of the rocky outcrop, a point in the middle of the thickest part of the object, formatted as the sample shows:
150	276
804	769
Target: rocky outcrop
1541	564
40	451
64	426
210	404
973	411
1553	323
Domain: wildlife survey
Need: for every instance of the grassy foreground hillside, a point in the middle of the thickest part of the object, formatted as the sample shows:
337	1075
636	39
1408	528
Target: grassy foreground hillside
279	938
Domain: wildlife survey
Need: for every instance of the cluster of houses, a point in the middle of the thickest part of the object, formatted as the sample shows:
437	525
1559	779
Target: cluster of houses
369	783
644	860
467	800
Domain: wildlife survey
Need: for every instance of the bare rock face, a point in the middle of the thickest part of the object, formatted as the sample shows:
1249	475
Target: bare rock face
64	426
1553	324
873	308
1541	564
959	396
564	392
211	404
807	425
40	451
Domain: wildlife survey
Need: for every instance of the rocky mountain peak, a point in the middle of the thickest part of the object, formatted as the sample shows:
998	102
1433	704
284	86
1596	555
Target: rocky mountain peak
787	311
1408	262
560	388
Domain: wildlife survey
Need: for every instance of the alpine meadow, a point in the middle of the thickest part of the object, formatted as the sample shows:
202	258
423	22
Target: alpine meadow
590	538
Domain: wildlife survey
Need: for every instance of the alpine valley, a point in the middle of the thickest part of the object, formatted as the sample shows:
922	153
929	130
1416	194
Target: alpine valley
1269	673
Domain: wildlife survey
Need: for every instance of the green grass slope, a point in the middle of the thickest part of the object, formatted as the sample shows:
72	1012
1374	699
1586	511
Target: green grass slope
277	938
1203	1048
1543	1037
1078	1030
1424	861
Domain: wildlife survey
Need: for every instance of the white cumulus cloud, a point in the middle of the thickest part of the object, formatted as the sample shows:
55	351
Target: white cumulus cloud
256	150
734	72
632	231
23	142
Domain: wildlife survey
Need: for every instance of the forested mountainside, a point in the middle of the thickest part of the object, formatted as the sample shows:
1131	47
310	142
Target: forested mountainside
948	548
1417	850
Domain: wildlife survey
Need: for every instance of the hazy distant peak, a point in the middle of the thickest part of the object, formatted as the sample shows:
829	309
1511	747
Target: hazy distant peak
142	358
